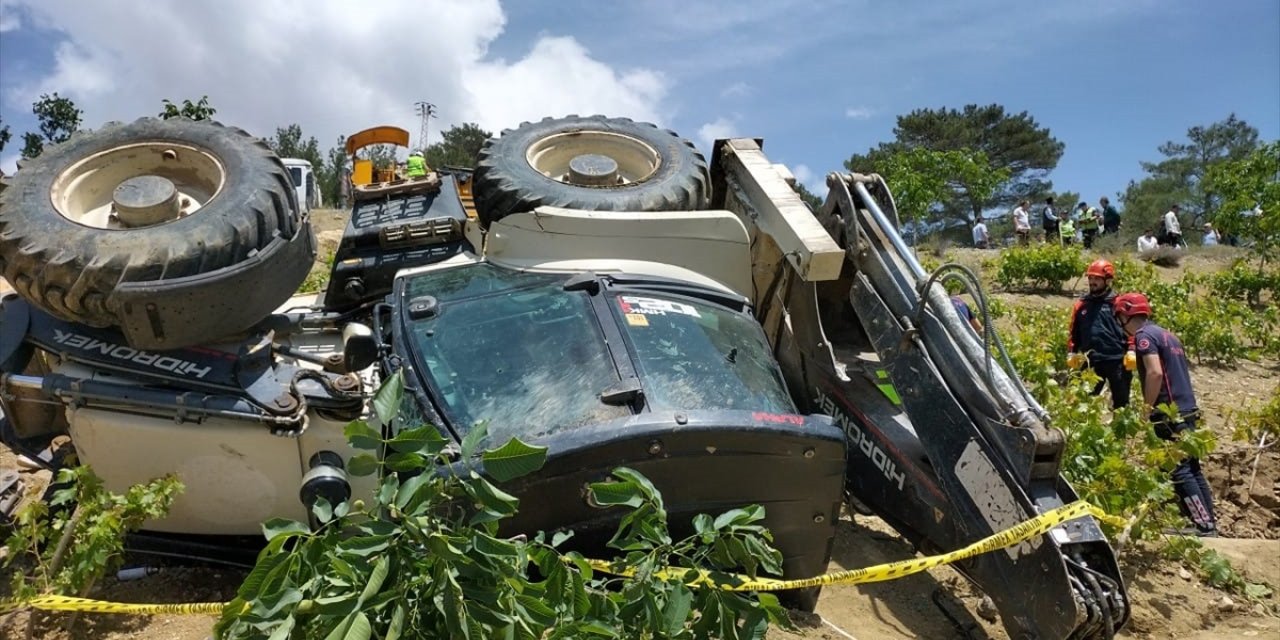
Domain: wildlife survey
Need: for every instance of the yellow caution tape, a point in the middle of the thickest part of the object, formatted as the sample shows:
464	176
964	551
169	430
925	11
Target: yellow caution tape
65	603
1020	532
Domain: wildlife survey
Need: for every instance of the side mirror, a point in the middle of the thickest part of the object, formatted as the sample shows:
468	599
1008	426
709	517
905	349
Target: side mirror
359	347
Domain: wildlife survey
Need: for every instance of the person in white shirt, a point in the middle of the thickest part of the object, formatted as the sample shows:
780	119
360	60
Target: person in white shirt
1147	241
1022	223
981	239
1210	235
1172	228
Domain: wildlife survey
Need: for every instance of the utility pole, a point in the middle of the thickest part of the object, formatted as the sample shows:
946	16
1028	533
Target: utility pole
426	111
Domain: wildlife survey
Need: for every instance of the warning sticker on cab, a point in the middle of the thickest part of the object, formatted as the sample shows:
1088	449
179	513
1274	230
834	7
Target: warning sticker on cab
654	306
637	319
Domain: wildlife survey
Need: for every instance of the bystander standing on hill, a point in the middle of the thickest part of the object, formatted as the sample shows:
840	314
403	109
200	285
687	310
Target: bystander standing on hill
1110	217
981	238
1172	228
1049	220
1089	221
1022	223
1067	230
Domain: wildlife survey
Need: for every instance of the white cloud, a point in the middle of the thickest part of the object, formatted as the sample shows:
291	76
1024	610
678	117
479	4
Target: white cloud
736	90
859	113
9	19
816	184
322	65
721	127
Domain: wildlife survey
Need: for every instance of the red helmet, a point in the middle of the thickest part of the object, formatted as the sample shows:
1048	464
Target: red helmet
1132	304
1101	269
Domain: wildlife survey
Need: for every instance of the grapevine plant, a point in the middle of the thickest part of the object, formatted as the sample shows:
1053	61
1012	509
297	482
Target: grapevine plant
423	556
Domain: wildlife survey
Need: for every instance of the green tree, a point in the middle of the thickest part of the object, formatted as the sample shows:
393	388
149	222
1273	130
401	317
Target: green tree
1015	143
922	180
1249	194
1147	199
1180	176
334	171
5	136
199	110
810	198
460	146
288	143
383	156
58	118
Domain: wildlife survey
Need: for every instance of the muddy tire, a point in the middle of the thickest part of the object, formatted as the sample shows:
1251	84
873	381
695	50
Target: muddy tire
595	163
121	226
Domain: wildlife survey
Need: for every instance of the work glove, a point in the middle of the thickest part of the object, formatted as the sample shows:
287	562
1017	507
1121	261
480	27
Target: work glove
1130	360
1075	360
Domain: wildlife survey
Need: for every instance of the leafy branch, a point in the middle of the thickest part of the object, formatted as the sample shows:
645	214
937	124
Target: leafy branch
425	555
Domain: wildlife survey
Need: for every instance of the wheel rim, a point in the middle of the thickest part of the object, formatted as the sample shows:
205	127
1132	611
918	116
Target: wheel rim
138	185
594	158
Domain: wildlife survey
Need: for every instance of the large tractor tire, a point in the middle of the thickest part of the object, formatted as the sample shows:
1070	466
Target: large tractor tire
595	163
177	232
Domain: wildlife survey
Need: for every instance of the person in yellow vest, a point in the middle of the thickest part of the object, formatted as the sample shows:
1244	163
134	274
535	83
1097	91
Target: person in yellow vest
1067	230
416	167
1090	222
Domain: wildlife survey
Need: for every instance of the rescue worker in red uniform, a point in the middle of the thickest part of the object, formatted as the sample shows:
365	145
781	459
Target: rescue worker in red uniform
1096	338
1163	370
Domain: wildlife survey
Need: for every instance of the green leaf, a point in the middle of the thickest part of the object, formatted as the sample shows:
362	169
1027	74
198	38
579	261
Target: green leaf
425	440
282	527
405	462
513	460
362	436
282	632
1257	591
491	546
322	510
340	605
396	626
353	627
409	488
613	493
477	434
362	465
492	503
538	611
704	527
676	611
649	491
560	537
381	567
364	546
360	629
386	402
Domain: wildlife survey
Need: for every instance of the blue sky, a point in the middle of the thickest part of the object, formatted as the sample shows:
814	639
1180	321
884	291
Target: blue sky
817	80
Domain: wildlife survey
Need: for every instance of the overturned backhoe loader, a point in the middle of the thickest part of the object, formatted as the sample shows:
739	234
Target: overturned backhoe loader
593	286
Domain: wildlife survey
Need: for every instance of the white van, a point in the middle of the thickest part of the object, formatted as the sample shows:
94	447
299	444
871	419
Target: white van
304	182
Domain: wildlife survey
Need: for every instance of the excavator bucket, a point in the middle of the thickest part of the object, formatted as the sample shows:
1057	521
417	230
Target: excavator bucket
944	443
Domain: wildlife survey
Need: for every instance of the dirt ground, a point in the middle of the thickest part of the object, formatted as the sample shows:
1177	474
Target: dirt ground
1167	602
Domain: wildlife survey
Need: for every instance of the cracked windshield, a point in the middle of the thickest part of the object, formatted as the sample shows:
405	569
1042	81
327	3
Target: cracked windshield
695	355
513	350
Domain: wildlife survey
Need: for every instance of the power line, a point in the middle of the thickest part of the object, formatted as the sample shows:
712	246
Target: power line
426	111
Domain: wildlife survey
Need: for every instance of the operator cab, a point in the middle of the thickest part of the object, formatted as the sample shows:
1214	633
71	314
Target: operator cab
535	354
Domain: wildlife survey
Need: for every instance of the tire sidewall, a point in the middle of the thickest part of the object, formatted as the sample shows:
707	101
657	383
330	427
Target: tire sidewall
33	186
679	182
